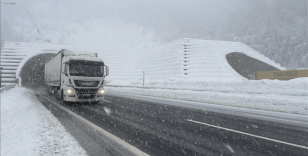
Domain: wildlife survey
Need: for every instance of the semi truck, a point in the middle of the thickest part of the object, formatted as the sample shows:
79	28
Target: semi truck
76	76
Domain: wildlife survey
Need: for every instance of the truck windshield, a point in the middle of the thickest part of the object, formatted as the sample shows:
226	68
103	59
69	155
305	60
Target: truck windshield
86	70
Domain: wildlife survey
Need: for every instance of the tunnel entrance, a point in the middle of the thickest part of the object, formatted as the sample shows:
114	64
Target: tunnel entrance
32	73
247	66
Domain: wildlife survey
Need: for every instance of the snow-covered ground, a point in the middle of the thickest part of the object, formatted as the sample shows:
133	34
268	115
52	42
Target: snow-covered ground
29	129
273	95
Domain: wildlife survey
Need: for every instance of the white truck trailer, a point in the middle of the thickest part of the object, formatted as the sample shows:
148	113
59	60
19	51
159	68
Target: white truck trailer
76	76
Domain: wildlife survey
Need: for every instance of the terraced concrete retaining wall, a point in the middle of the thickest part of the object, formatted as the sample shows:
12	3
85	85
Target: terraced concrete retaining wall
183	59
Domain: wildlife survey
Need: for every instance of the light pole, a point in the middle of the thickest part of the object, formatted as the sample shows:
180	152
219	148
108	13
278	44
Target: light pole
306	31
299	58
0	75
40	36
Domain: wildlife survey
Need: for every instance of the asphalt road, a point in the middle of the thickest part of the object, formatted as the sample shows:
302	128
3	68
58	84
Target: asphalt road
158	127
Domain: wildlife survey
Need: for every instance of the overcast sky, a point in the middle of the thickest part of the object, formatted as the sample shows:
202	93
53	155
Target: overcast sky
196	15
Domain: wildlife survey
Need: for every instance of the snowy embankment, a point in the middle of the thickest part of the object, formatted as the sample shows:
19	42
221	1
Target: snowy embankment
198	70
29	129
273	95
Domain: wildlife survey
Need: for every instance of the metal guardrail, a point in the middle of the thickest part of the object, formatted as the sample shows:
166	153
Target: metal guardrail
7	88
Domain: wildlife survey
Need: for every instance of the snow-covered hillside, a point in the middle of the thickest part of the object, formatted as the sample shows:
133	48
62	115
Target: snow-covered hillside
110	32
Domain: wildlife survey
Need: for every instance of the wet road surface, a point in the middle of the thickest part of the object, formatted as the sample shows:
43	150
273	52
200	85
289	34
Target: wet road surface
158	128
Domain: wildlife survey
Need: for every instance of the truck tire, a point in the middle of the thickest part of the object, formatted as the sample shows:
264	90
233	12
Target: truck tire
49	90
62	99
61	96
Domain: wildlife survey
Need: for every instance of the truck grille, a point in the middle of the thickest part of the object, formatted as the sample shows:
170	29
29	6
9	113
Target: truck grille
81	83
86	93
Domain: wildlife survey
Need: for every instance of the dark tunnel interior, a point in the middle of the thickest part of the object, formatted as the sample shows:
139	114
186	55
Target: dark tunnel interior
247	66
32	73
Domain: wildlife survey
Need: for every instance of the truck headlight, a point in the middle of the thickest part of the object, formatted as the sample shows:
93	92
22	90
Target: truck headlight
70	92
101	91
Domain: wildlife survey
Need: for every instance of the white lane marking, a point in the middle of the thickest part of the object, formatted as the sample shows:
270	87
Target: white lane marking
265	138
127	146
278	119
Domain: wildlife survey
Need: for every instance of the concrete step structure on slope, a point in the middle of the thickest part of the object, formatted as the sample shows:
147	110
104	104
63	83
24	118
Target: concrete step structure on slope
9	64
13	55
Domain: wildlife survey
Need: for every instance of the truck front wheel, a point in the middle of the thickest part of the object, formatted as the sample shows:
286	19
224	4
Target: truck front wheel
62	98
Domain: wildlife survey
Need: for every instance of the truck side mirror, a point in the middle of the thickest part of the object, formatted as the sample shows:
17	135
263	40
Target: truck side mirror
107	70
65	73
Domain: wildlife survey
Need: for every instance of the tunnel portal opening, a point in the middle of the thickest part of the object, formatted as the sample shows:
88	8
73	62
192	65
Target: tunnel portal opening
247	66
32	72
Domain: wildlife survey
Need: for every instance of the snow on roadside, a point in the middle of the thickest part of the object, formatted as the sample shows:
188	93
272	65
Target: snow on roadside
272	95
298	87
29	129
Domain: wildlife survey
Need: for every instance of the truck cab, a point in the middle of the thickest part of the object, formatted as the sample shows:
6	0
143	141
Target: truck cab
78	78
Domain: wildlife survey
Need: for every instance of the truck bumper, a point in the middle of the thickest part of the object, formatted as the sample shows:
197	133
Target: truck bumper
75	99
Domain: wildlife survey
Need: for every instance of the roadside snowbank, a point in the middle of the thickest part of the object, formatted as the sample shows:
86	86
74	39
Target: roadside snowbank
29	129
273	95
298	87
